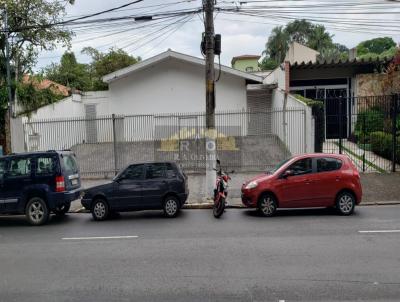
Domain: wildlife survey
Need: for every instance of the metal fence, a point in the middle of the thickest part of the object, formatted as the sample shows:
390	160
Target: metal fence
367	129
103	145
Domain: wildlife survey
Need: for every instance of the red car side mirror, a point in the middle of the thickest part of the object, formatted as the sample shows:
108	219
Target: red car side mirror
287	173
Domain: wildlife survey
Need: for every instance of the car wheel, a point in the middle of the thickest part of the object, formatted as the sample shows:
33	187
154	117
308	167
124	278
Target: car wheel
345	203
100	210
267	205
171	206
36	211
61	211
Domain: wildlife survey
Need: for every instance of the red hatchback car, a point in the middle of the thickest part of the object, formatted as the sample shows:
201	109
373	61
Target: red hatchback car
309	180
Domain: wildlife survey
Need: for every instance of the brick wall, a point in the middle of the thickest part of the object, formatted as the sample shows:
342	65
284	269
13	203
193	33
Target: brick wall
372	84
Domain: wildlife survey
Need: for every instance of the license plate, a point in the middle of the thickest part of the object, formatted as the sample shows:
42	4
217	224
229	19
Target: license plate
74	182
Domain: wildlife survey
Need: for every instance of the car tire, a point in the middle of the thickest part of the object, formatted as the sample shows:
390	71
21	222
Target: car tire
36	211
61	211
267	205
345	203
171	206
100	210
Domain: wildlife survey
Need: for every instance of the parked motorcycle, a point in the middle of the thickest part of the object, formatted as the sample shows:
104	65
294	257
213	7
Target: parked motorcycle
220	191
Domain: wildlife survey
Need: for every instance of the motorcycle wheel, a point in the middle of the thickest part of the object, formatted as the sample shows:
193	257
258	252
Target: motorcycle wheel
219	208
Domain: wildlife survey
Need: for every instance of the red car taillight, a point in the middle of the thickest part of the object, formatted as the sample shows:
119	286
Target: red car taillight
60	184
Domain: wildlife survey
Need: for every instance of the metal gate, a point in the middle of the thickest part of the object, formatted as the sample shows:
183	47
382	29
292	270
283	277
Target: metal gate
367	130
106	144
189	141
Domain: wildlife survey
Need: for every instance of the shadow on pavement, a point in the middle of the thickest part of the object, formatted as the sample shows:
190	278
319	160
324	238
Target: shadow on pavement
139	215
296	212
21	221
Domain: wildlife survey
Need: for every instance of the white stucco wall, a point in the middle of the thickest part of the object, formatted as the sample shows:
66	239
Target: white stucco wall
293	122
101	99
277	76
73	106
57	135
173	87
62	109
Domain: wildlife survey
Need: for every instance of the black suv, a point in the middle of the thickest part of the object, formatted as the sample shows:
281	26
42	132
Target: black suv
36	184
146	186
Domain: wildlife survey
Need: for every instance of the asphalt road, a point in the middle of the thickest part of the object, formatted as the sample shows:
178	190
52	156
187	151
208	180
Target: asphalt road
307	255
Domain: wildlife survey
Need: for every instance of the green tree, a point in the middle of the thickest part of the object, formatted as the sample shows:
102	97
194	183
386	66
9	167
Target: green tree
335	52
277	45
30	98
105	63
28	22
268	64
375	46
319	38
69	73
29	32
299	31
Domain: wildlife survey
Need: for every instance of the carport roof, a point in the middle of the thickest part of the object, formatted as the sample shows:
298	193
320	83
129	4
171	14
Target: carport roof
169	54
340	63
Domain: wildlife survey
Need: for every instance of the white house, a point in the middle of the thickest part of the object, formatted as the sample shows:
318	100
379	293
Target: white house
156	99
168	83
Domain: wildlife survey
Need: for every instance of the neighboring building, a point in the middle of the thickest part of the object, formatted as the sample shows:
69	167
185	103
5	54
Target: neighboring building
45	83
300	53
330	81
246	63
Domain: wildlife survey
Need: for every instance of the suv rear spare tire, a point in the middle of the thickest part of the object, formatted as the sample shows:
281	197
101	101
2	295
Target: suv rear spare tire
36	211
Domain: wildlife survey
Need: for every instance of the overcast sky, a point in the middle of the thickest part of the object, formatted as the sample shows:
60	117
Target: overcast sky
240	34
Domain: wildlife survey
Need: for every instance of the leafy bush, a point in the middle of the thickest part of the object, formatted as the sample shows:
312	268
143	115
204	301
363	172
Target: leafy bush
374	121
381	144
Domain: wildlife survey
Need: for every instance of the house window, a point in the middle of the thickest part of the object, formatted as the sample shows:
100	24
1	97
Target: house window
249	69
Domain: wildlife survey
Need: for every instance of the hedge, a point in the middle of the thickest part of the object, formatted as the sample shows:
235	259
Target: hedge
374	121
381	144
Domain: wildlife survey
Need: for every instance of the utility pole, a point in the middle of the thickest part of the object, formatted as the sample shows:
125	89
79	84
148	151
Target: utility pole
208	6
8	116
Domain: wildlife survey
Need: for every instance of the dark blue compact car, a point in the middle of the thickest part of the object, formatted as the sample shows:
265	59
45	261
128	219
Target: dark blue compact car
146	186
37	184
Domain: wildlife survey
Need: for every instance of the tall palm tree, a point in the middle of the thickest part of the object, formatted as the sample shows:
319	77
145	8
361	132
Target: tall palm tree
277	45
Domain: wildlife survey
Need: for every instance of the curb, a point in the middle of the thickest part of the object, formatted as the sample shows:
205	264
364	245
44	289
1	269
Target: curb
190	206
208	205
379	203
